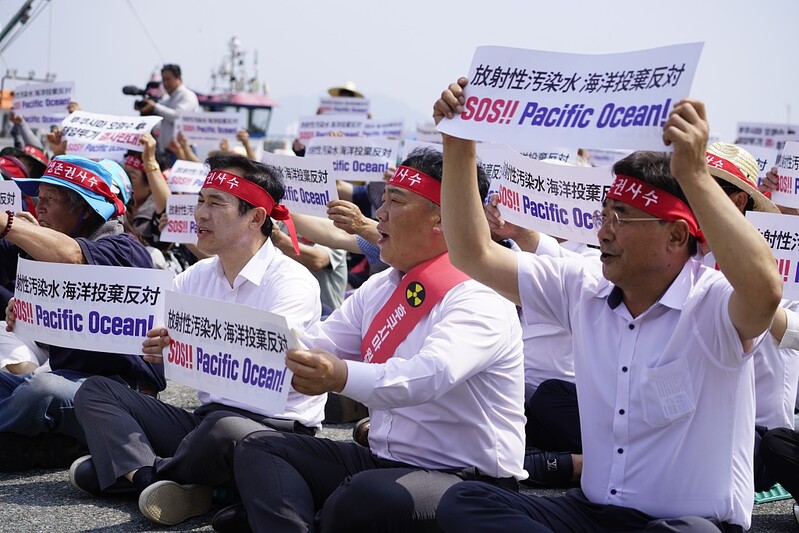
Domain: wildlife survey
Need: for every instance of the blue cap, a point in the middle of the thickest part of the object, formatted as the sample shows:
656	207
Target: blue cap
105	207
122	186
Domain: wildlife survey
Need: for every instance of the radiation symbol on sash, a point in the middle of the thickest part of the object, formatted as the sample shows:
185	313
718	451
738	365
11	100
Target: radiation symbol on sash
414	294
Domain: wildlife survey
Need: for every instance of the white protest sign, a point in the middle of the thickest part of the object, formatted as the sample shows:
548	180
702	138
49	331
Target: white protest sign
355	158
89	307
324	125
343	105
383	128
208	127
491	157
762	133
409	145
186	176
787	192
43	104
10	197
606	158
553	199
564	155
180	226
97	151
83	129
428	133
518	96
230	350
782	234
765	157
308	182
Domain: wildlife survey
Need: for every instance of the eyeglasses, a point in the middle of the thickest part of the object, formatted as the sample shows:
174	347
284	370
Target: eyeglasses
614	220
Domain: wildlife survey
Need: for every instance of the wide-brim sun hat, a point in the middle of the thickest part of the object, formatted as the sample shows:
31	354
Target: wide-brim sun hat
738	167
348	89
105	207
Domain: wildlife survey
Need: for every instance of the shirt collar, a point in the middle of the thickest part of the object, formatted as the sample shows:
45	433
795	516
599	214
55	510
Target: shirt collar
256	267
677	293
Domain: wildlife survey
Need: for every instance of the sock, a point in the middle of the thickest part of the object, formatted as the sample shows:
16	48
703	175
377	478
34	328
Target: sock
144	477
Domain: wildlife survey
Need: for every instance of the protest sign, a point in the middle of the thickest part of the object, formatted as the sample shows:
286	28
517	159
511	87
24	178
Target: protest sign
428	133
355	158
180	226
383	128
343	105
492	158
409	145
787	192
782	234
325	125
553	199
228	350
605	158
89	307
308	182
765	157
186	176
208	127
762	133
564	155
43	104
10	197
83	131
535	98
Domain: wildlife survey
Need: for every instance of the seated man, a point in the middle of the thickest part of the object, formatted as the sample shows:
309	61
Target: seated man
78	223
662	344
438	360
171	457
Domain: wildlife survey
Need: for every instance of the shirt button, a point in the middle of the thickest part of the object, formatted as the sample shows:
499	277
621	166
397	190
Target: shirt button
386	418
613	491
621	411
620	450
624	369
631	326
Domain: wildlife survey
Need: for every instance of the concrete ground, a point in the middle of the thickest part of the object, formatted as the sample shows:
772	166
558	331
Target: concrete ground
43	501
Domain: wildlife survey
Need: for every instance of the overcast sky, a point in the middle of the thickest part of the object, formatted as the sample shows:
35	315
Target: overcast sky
402	54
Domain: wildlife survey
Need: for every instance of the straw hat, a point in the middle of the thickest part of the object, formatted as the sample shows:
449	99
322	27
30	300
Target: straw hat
735	165
348	89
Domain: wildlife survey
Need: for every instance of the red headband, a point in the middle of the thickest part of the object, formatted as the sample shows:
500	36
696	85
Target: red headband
654	201
134	162
86	179
252	194
719	162
418	182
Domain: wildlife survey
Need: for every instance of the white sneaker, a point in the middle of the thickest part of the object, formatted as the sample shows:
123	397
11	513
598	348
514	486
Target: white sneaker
169	503
796	512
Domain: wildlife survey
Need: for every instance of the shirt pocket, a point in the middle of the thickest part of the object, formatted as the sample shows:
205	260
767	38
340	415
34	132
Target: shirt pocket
667	393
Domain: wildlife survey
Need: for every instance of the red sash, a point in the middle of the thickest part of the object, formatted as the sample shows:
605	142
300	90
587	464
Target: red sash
416	294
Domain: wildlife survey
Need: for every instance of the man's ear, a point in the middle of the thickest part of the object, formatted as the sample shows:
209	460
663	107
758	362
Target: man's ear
678	234
259	216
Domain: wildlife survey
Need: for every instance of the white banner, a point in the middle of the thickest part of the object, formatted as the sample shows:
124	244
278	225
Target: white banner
10	197
787	192
325	125
518	96
766	159
605	158
309	183
428	133
230	350
343	105
43	104
762	133
180	226
186	176
553	199
84	129
492	158
782	234
564	155
383	128
89	307
208	127
355	158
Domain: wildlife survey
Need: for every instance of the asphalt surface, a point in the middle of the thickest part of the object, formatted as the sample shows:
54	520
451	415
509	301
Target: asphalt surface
44	501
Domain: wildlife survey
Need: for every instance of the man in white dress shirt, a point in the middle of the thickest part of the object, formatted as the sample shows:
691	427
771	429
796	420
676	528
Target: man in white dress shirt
662	344
170	456
436	357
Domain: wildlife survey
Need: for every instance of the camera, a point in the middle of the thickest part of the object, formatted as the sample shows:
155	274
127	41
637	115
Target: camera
152	92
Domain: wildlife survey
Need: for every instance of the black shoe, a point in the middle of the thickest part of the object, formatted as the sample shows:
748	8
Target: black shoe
360	433
83	476
45	450
548	469
231	519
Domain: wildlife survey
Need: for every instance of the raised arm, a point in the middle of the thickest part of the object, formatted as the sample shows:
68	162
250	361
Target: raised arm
155	179
741	252
465	227
322	231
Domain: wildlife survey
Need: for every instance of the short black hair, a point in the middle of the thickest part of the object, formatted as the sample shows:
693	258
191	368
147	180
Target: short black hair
730	189
266	177
431	162
654	168
173	68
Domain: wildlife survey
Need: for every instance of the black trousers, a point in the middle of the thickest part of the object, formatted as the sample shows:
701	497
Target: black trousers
296	483
475	506
126	430
779	452
553	418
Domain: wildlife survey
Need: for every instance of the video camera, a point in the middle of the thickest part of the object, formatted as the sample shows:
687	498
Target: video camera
152	92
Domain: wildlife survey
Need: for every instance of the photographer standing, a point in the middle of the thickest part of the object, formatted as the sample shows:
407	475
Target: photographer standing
180	98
